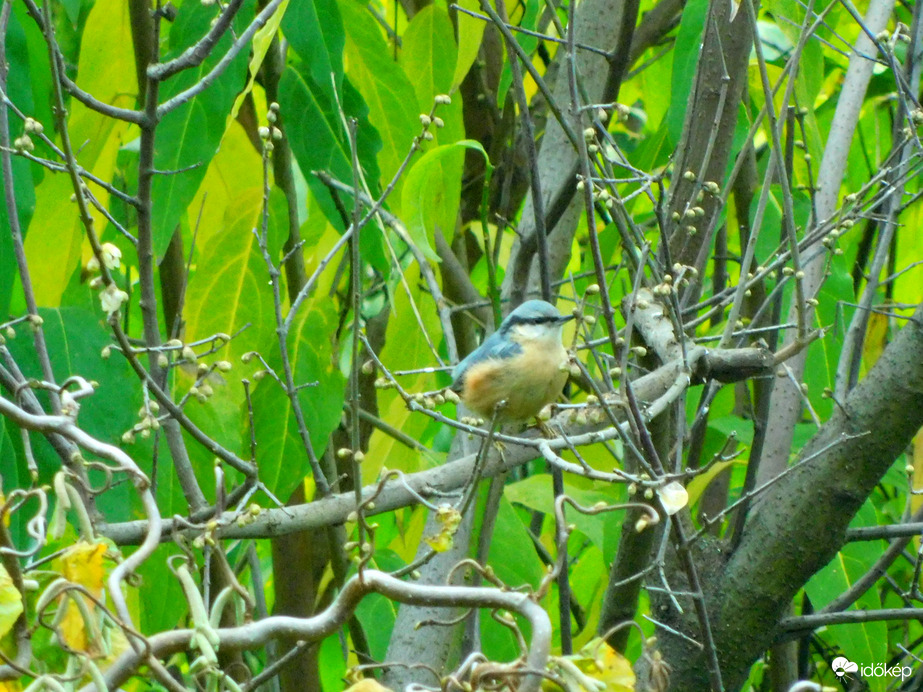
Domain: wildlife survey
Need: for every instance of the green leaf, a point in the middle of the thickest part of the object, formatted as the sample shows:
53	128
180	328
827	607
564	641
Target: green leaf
230	288
107	71
470	32
376	612
510	538
315	136
161	596
536	493
428	60
229	291
835	296
392	101
429	54
262	40
864	643
789	17
319	144
75	338
190	134
314	29
685	63
698	484
20	92
431	194
525	15
281	456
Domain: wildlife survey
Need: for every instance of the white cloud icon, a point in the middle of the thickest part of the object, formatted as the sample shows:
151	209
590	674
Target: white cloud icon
842	665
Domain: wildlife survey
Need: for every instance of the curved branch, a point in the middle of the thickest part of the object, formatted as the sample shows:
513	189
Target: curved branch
257	634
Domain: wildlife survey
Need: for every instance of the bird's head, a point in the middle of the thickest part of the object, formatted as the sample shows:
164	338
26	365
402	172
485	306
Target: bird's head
534	319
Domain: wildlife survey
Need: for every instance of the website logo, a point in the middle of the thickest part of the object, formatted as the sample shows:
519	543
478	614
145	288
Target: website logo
843	667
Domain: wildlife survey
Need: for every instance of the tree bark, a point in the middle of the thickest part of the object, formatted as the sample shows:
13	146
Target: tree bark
838	470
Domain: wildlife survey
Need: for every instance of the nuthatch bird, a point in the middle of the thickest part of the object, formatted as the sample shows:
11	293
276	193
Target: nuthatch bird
523	363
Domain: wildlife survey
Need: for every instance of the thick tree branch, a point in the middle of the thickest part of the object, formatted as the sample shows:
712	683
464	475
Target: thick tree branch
777	553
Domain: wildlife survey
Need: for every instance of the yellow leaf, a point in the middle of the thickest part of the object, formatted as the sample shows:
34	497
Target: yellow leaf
603	663
10	602
441	542
82	564
698	484
367	685
876	338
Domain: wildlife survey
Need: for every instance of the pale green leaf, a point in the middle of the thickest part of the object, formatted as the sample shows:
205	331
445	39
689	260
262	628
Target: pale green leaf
389	94
262	39
10	602
230	289
431	194
470	32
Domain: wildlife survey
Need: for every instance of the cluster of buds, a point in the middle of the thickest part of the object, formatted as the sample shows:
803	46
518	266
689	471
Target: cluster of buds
111	297
202	391
428	120
248	517
472	421
148	422
207	537
600	192
35	322
23	143
666	287
271	133
901	34
346	453
711	187
584	317
112	260
589	136
363	550
622	110
685	272
428	401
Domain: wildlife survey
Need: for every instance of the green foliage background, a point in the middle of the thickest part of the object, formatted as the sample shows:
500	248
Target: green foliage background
342	64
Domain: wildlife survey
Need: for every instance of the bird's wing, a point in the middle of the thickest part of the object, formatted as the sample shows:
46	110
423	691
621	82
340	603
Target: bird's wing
494	347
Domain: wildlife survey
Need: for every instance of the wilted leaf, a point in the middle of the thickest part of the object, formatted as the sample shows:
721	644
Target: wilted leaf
81	564
673	496
10	602
367	685
597	667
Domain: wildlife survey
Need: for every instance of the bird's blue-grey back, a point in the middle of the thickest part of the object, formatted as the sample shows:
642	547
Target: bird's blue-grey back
495	346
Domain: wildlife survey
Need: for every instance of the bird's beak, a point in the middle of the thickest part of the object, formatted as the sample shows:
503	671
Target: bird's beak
565	318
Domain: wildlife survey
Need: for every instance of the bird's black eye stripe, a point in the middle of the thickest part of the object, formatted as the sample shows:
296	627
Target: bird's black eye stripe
535	320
